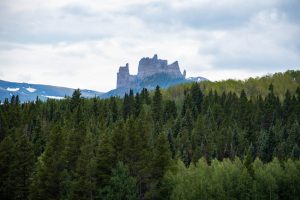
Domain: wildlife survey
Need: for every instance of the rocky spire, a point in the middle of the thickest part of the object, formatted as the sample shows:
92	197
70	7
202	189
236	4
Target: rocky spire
123	76
148	67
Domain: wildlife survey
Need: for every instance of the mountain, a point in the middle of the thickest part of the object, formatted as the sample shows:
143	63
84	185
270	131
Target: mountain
29	92
151	72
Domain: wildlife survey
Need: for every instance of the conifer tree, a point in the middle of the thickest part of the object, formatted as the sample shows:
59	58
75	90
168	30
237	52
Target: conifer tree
157	109
84	184
121	185
104	160
22	166
160	164
157	105
137	105
197	96
7	154
50	175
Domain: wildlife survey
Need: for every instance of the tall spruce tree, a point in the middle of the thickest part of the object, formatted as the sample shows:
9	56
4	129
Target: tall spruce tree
7	154
83	185
22	166
121	185
50	175
157	109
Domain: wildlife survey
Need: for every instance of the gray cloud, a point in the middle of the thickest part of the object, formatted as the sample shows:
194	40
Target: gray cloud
92	39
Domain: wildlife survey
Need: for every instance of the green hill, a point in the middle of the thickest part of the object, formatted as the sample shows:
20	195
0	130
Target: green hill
288	80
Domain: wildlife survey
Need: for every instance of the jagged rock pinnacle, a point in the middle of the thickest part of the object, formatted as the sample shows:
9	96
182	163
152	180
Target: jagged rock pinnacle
148	67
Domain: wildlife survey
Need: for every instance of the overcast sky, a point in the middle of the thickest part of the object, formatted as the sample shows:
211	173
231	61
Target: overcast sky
81	44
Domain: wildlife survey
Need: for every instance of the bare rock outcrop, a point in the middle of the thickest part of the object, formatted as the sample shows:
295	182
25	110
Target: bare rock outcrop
148	67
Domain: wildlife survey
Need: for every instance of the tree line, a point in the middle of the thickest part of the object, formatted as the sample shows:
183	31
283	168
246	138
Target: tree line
145	146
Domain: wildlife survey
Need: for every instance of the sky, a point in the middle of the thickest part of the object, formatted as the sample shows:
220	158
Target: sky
81	44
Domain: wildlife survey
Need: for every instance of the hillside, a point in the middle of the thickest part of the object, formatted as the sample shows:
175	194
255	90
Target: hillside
288	80
147	146
29	92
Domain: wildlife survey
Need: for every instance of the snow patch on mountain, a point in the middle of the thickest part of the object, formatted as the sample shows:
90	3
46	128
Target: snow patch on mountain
29	89
53	97
12	89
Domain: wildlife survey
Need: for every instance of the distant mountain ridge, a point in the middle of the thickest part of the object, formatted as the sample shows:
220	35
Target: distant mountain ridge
151	72
29	92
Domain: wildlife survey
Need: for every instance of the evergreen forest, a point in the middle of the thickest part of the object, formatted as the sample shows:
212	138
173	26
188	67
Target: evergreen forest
207	140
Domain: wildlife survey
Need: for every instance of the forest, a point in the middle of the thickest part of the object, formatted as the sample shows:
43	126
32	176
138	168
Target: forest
210	140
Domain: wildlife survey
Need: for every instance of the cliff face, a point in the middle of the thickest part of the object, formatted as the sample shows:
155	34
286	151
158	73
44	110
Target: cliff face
123	76
148	67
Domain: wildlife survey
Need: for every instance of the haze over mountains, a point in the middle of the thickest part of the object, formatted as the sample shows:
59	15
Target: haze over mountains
151	72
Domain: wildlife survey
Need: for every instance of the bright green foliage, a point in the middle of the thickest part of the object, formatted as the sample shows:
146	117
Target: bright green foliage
230	180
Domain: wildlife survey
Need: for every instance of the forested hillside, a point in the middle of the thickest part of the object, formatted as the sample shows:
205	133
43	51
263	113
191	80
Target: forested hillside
252	86
220	141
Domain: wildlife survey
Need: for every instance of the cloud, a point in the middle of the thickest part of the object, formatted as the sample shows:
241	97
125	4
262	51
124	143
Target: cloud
76	44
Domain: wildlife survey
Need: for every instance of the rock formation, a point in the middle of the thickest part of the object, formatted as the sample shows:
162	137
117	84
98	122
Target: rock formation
123	76
148	67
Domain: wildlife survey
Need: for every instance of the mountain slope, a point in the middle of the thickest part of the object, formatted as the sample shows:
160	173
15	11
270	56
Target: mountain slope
29	92
281	81
163	80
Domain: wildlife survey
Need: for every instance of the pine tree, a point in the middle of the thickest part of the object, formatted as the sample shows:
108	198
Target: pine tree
137	104
248	164
197	96
126	106
157	109
170	111
76	99
270	109
160	164
84	184
121	185
287	106
138	151
22	166
243	110
114	110
50	176
104	160
145	96
157	105
7	154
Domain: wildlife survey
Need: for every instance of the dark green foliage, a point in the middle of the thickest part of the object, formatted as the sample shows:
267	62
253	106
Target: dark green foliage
121	186
23	166
50	175
128	105
6	167
157	105
157	109
104	160
84	184
16	165
228	144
